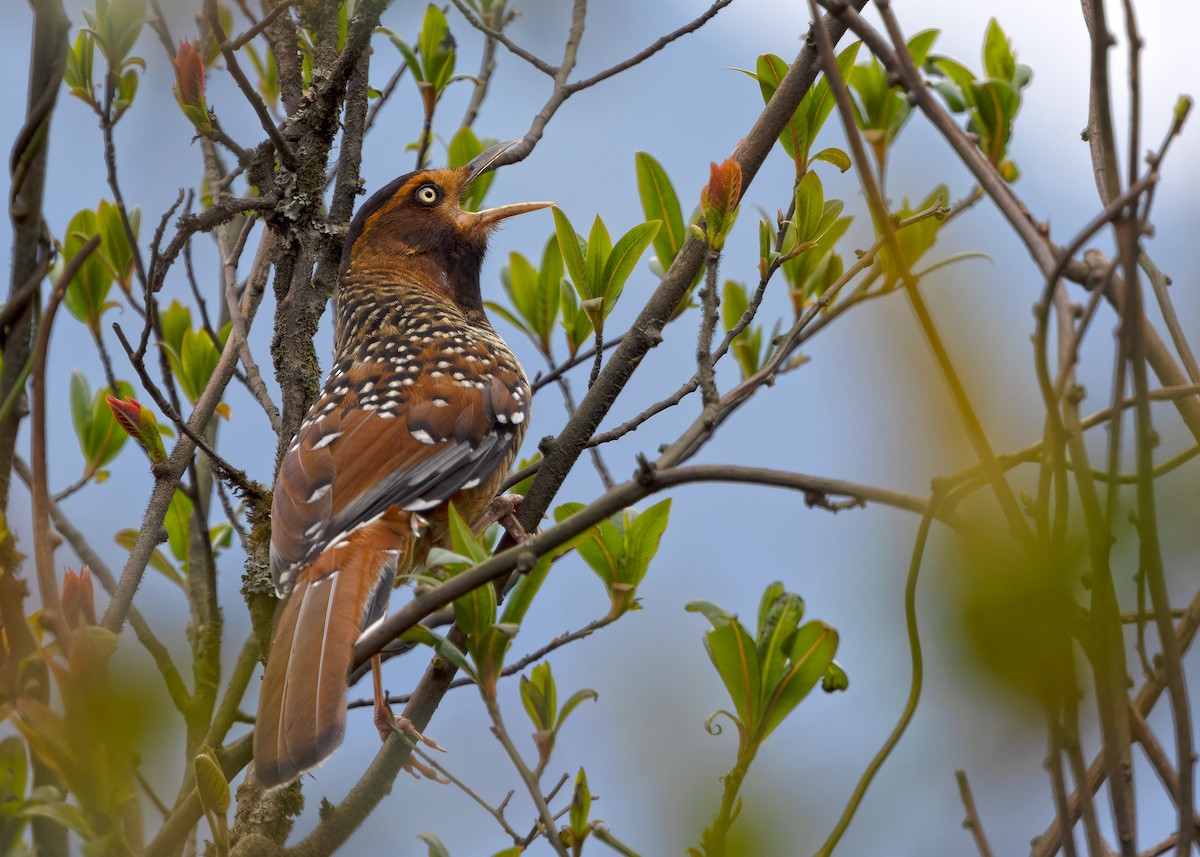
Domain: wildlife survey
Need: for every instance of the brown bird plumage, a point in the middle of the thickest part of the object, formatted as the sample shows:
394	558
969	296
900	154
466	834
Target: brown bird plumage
424	405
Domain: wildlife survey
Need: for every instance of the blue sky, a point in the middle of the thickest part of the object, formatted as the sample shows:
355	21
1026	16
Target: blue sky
868	407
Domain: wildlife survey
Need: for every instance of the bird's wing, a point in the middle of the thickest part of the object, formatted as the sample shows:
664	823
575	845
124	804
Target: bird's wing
383	435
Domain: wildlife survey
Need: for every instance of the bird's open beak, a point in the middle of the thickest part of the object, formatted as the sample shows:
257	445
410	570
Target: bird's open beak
485	161
479	165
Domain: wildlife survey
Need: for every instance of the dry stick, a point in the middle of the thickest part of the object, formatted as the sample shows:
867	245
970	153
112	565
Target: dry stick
18	300
653	48
705	362
1108	670
43	549
171	472
972	822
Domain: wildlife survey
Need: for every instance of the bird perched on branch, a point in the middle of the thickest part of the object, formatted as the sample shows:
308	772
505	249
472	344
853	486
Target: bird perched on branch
424	405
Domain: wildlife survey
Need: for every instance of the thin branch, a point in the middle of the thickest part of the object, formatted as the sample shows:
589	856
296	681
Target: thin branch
257	27
549	830
254	381
538	63
652	49
972	822
260	109
234	476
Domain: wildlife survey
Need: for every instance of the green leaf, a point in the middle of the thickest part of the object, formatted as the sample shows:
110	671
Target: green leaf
81	406
810	205
833	156
732	652
835	679
211	784
539	696
778	620
571	246
437	48
660	203
998	59
444	648
581	808
574	701
599	246
642	537
718	616
463	540
813	648
80	60
114	248
410	57
178	523
517	604
920	44
158	560
87	293
575	322
14	776
66	814
436	847
770	71
464	147
996	104
623	259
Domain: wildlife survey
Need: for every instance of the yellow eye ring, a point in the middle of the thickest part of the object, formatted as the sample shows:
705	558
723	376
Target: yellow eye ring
428	194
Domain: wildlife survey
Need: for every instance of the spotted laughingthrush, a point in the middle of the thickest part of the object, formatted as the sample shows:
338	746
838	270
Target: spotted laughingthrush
424	405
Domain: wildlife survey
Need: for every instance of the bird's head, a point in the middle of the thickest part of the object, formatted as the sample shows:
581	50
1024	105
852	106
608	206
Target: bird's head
415	226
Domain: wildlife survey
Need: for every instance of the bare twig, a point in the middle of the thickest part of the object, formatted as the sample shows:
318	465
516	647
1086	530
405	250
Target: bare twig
235	70
972	822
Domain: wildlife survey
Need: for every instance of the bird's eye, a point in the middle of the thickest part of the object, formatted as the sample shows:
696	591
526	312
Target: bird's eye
428	194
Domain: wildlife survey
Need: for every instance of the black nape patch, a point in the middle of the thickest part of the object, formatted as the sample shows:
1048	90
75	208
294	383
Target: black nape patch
374	202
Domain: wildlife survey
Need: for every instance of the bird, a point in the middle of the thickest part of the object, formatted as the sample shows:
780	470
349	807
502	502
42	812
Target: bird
424	406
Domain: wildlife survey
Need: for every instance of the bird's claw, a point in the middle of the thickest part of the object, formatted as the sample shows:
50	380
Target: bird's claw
503	511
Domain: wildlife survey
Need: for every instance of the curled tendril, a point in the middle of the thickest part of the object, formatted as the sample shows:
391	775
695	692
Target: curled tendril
713	728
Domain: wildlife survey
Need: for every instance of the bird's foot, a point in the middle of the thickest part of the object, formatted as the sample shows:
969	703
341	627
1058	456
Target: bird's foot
503	511
388	723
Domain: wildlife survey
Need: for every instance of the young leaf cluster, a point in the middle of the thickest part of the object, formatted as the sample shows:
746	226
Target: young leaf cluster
597	268
620	548
990	102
